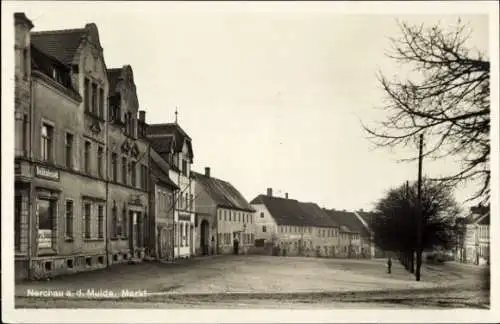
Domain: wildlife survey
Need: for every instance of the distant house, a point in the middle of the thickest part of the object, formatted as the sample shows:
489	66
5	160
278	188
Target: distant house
368	218
476	237
296	228
354	236
222	215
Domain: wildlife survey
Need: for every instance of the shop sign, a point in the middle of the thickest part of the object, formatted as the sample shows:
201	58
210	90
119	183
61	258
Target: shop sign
44	238
48	173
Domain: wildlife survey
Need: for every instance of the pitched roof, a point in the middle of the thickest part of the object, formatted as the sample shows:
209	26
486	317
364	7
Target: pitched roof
485	220
154	130
293	212
45	64
61	44
222	192
161	174
162	144
350	220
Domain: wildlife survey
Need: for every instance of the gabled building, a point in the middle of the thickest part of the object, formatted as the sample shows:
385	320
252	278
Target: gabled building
296	228
223	216
476	241
354	237
60	165
162	193
128	165
174	145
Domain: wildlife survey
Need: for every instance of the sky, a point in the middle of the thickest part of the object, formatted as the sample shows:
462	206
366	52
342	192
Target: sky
271	98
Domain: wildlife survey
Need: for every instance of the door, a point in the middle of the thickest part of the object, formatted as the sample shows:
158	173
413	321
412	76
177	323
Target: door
204	237
132	232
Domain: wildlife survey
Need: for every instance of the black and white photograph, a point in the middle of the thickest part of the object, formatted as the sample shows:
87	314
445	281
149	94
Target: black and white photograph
236	161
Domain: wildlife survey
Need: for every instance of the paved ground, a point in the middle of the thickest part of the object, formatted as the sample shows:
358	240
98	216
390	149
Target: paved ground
245	281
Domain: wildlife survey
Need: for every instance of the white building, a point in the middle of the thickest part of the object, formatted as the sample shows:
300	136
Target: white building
175	147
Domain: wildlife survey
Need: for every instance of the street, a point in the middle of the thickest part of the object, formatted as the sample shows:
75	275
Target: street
262	282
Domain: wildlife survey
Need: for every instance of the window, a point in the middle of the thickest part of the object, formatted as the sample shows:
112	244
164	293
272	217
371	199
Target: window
86	94
25	138
100	153
86	220
18	205
261	215
229	215
184	167
114	166
46	216
69	219
124	170
101	103
176	235
47	142
182	234
133	169
69	150
264	229
100	221
114	222
225	216
94	99
191	201
124	226
25	63
86	157
144	177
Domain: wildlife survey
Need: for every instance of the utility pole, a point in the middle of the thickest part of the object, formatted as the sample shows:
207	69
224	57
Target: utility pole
419	209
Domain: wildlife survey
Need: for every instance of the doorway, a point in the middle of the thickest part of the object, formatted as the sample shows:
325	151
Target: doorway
204	237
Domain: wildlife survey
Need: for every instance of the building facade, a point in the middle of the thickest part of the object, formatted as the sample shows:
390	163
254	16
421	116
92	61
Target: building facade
128	169
355	237
162	193
173	144
475	244
60	200
292	227
224	217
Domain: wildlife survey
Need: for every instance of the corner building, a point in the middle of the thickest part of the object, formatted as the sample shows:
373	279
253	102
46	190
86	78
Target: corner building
60	188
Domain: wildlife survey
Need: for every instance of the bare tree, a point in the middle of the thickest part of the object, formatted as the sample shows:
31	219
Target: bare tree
445	96
397	214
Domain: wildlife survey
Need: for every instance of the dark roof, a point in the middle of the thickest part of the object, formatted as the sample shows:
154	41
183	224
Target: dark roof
162	144
113	78
222	192
484	220
162	175
44	63
21	18
61	44
171	129
349	220
293	212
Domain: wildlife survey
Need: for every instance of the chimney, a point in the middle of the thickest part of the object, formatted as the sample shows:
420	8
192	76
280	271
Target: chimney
142	116
286	195
270	192
207	172
360	210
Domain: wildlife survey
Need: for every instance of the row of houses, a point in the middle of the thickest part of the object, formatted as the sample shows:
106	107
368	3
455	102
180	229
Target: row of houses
96	185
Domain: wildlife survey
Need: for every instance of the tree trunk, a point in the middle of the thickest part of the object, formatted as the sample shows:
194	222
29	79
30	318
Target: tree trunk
419	264
412	261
